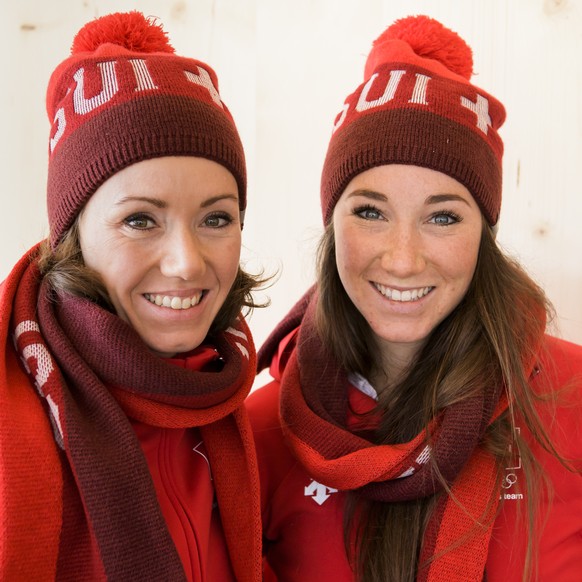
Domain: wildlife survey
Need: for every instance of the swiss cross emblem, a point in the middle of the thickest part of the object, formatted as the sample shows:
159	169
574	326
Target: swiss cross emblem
318	492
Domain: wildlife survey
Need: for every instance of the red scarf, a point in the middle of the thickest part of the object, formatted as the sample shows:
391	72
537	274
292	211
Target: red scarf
105	517
313	414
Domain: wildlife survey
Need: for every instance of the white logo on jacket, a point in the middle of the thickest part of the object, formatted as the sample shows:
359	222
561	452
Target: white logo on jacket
510	483
318	492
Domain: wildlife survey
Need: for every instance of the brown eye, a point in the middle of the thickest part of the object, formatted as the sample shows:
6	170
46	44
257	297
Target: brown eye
218	220
139	222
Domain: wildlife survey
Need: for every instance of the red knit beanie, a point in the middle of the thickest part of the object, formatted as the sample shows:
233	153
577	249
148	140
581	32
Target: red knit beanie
417	106
124	96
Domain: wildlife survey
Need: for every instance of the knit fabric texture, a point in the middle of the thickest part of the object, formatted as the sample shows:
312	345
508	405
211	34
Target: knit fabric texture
124	96
417	106
313	412
87	373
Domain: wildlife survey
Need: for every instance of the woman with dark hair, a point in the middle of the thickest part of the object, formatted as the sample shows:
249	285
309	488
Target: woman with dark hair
420	425
124	444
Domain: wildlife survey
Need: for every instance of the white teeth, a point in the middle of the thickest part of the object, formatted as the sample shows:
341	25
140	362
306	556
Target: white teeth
174	302
403	296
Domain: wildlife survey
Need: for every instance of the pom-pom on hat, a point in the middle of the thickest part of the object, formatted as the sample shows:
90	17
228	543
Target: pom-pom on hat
417	106
124	96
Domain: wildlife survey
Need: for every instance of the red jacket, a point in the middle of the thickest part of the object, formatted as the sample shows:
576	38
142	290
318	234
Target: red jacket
179	469
181	474
303	519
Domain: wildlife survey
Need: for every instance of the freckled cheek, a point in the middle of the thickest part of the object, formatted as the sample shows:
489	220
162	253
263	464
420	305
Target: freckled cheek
350	266
463	266
343	258
348	248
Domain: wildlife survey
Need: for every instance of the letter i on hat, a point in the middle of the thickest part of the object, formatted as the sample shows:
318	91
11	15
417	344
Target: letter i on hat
124	96
417	106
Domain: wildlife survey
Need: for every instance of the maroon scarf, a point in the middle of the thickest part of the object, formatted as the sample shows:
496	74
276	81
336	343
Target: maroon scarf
111	521
313	414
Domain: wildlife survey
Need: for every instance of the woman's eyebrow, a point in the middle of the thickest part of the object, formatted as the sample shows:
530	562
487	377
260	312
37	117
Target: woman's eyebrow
214	199
432	199
153	201
436	198
372	194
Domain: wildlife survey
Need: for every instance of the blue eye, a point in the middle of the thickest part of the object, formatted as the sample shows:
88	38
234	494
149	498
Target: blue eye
445	218
368	212
139	221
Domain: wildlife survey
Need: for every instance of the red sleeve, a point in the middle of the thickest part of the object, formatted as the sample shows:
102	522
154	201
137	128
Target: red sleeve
559	527
275	459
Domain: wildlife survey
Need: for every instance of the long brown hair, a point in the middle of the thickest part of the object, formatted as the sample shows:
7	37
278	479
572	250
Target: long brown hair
493	335
65	271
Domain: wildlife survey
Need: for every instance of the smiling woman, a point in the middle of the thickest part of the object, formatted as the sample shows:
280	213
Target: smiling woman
125	446
405	253
165	237
420	425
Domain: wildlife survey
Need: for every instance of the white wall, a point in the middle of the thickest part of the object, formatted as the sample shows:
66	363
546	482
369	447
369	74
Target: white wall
284	69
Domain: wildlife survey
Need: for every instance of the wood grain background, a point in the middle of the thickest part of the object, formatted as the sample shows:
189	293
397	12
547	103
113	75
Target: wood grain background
284	69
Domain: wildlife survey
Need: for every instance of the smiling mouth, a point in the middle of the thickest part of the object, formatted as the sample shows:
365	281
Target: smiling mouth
173	302
403	296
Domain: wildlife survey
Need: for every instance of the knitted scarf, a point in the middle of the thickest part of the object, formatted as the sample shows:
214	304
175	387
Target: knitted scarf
313	412
92	371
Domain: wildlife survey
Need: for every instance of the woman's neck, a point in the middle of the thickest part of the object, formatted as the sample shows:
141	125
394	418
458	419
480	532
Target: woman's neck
394	365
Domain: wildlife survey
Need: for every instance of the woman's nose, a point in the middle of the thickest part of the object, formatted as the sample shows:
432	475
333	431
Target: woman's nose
403	253
182	255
